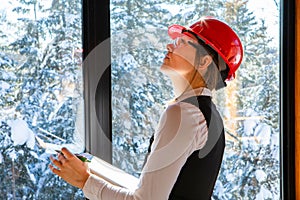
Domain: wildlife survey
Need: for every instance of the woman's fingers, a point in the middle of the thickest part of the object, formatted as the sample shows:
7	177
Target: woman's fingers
56	162
70	168
61	158
67	153
54	170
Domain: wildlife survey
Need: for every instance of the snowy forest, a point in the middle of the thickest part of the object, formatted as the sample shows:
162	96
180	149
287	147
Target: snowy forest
41	92
41	95
249	105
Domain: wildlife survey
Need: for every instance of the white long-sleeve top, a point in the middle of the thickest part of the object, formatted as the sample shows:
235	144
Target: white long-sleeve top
181	130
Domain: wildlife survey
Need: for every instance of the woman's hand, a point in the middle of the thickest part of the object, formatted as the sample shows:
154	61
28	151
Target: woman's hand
70	168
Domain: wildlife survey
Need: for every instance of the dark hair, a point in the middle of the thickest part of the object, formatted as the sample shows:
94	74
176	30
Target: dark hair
214	78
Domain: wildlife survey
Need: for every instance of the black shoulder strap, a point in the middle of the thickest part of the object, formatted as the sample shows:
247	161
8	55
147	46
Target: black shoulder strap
212	117
213	120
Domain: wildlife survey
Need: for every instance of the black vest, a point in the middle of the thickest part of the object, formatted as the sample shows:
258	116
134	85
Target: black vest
198	175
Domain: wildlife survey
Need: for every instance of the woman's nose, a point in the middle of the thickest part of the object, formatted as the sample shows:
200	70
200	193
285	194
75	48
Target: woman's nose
170	47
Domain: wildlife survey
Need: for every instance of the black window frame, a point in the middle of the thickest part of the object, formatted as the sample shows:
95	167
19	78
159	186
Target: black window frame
287	98
96	29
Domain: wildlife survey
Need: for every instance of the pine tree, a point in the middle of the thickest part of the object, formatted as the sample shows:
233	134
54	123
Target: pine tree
252	154
42	84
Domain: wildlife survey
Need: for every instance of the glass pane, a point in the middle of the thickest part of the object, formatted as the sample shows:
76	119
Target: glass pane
249	105
41	104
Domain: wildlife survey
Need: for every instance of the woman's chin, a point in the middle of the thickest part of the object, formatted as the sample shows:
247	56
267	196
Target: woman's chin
165	68
169	71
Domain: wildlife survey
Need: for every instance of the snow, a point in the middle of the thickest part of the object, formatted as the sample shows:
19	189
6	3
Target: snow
249	124
1	158
268	11
21	133
8	75
276	154
4	86
34	154
264	193
32	178
12	154
73	147
260	175
219	189
230	177
263	133
129	61
173	9
275	139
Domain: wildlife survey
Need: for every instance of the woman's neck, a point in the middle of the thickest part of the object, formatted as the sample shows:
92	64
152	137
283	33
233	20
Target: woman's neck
182	84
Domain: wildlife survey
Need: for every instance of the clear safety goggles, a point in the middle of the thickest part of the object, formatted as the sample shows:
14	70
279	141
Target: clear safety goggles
184	41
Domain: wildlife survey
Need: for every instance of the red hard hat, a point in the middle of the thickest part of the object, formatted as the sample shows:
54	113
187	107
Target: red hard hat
219	36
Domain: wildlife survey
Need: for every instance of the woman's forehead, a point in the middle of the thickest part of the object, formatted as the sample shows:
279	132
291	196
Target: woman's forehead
187	37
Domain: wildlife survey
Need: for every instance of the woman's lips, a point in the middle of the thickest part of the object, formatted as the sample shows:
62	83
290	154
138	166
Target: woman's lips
167	56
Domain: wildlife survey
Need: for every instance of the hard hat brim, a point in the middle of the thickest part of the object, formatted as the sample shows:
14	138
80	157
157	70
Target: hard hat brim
175	31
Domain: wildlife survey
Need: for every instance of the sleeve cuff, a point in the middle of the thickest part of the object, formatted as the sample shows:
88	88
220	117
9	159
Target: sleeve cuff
93	187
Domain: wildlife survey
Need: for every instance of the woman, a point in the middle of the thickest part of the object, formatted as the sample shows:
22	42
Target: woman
186	151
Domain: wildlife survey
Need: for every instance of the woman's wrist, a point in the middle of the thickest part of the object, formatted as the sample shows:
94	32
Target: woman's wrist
84	179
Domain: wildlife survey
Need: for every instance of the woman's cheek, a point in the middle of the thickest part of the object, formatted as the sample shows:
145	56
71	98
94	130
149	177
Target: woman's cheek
188	55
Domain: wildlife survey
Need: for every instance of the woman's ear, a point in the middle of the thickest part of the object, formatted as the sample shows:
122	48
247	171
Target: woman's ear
205	61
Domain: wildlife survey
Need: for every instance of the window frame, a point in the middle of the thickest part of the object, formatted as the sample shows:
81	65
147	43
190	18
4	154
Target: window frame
287	99
96	29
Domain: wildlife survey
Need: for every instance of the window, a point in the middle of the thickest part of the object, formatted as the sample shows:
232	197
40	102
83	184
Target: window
41	95
250	105
42	98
